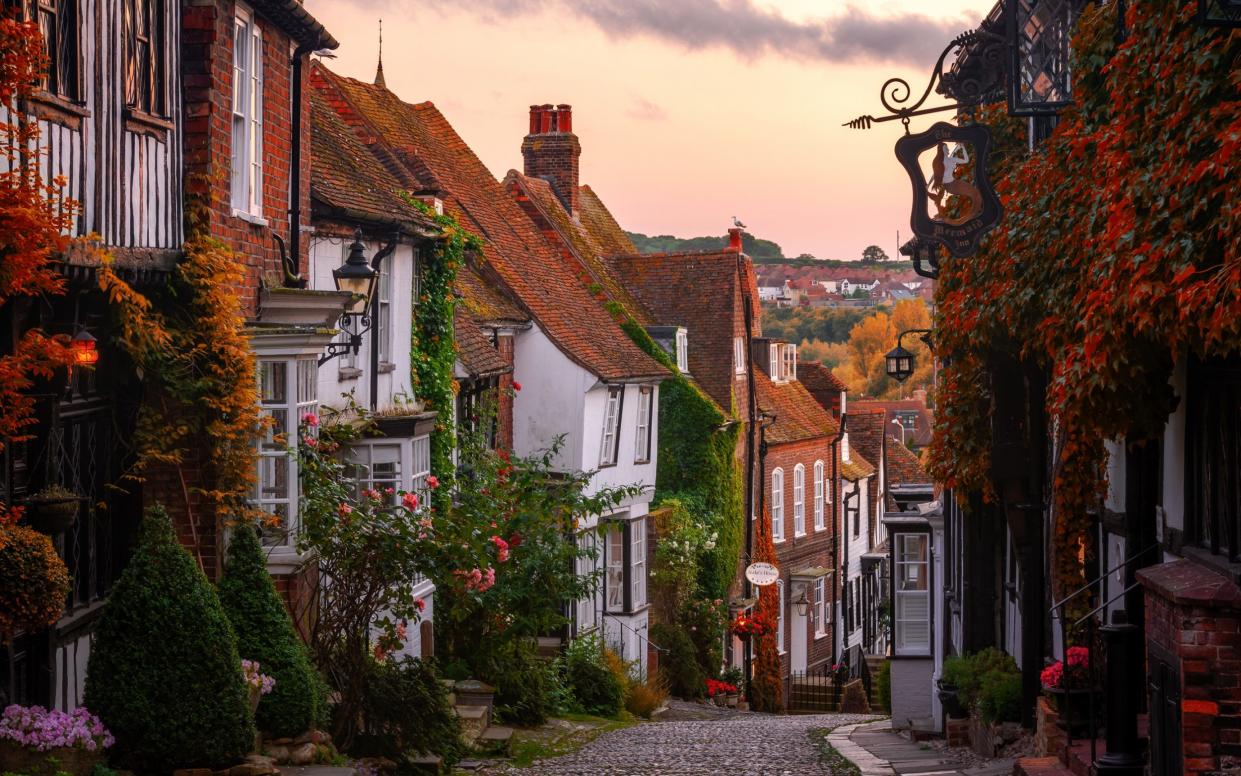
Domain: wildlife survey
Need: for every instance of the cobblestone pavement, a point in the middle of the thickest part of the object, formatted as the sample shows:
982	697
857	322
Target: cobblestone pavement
736	745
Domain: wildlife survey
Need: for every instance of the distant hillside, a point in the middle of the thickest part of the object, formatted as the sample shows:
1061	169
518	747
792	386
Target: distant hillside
755	247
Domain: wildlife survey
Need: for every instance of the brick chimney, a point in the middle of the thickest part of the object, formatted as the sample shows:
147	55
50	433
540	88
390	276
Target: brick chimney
734	239
551	151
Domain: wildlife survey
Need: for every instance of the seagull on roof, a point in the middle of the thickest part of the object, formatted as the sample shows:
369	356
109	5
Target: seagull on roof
737	223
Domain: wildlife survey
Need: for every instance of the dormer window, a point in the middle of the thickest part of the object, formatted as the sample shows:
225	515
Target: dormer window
739	355
773	360
682	350
782	361
789	367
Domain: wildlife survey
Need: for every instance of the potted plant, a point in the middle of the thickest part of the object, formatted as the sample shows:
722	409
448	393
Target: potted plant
1068	684
53	509
39	742
952	679
720	692
746	625
258	684
733	677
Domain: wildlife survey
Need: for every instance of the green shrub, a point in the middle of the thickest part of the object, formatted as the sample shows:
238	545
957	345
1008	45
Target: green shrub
999	699
164	675
265	633
520	679
883	680
970	673
406	711
679	661
594	686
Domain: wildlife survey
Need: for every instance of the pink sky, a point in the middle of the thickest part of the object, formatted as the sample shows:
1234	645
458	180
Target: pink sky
689	111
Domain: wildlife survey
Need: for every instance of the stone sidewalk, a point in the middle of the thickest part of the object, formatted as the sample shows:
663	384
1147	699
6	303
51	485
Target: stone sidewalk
877	751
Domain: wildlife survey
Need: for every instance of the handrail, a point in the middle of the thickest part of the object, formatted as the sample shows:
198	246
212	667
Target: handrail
1101	577
616	617
1104	605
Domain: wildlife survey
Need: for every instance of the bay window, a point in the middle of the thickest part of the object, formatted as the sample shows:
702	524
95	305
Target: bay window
646	395
799	500
819	511
377	466
614	577
777	505
247	172
288	396
613	405
912	620
625	565
420	470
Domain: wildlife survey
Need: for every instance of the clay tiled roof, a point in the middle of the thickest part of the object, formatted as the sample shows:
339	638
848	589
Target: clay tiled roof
421	140
798	415
856	467
923	424
584	253
866	435
702	292
346	180
601	226
474	350
487	304
817	377
904	468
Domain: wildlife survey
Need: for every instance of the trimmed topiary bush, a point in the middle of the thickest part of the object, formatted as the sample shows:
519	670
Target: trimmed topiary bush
679	661
164	675
33	580
265	633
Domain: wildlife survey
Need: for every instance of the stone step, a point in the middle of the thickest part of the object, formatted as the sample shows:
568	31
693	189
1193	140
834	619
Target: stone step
473	720
431	764
495	740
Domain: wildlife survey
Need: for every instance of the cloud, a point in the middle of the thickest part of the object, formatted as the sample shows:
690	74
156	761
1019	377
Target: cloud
645	110
747	29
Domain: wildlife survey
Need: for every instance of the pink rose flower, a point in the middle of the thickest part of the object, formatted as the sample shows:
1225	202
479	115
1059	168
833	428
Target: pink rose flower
344	510
433	481
410	500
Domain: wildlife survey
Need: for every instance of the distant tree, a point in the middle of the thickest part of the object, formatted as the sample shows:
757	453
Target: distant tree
874	253
755	247
806	257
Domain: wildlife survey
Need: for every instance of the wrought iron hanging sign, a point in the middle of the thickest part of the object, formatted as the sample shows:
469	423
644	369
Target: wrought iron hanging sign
954	203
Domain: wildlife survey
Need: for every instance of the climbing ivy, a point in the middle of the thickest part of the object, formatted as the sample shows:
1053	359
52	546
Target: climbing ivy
697	465
433	348
1120	252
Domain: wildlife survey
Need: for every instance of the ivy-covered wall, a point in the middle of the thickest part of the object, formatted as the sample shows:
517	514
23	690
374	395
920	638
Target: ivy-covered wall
698	467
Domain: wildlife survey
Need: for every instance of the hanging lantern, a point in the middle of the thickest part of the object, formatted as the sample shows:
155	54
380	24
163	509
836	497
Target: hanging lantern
84	351
899	363
356	276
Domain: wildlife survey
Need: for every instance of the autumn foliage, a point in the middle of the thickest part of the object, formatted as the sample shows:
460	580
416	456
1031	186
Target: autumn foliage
33	220
1120	253
766	688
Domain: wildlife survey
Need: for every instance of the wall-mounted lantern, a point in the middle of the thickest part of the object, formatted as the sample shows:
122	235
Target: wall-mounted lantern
899	363
85	350
357	277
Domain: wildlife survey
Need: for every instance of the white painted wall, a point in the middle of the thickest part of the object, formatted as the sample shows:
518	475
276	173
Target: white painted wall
551	400
1174	454
326	254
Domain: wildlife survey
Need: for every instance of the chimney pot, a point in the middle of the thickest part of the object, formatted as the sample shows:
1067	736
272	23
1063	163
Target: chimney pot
734	239
565	112
535	110
545	119
551	152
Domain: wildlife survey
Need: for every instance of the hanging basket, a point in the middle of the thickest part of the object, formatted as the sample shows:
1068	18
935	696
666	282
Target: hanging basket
52	516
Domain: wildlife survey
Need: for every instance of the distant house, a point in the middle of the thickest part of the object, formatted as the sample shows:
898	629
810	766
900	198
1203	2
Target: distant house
909	421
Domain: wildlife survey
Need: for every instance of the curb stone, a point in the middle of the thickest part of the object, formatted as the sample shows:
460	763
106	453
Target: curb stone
866	762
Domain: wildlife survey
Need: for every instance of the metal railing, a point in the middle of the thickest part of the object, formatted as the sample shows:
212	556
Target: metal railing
1096	696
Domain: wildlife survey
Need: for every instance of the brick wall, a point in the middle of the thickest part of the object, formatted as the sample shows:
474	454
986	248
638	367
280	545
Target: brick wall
813	549
551	151
1193	615
207	45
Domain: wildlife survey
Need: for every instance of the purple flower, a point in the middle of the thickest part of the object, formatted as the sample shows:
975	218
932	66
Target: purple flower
42	730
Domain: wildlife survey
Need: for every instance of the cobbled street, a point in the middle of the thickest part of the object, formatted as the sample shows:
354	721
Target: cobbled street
740	745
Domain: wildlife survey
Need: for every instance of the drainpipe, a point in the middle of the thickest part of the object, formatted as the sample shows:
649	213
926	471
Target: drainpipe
838	532
292	272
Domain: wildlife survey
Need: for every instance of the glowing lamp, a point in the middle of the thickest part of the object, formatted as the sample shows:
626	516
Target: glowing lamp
899	364
84	350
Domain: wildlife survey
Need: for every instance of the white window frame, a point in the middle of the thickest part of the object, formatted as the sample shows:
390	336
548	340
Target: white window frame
773	361
788	369
739	355
799	500
780	617
362	456
637	564
820	607
613	405
247	115
300	397
642	445
820	512
614	567
911	608
777	505
682	350
383	314
587	606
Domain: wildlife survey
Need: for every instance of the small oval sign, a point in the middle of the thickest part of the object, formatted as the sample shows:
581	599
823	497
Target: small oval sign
762	574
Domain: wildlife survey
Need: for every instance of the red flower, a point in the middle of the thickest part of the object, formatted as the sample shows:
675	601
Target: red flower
516	386
433	481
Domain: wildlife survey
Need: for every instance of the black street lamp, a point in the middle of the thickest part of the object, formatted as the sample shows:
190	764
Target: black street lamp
357	277
899	362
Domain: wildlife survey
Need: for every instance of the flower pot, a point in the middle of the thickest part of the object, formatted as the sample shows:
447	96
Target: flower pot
75	761
720	700
732	699
52	516
950	699
1072	709
256	695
